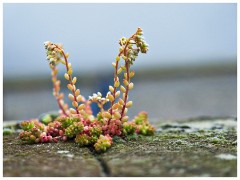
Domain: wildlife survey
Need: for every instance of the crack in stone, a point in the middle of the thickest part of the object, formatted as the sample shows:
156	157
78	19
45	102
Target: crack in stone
105	168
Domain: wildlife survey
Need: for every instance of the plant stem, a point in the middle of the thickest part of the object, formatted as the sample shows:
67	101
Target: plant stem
114	91
127	89
54	76
115	76
70	76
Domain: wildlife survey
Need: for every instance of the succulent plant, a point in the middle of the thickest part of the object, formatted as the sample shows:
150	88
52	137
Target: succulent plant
78	122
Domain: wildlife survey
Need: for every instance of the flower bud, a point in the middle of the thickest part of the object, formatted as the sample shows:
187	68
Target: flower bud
66	76
117	115
125	82
81	107
63	62
130	86
69	65
72	111
115	106
111	89
117	94
61	101
79	98
123	67
121	101
74	80
114	64
74	87
120	106
125	119
124	57
107	115
132	73
110	97
75	104
70	71
116	83
125	110
118	58
119	70
67	55
125	75
71	97
122	89
129	104
77	92
70	87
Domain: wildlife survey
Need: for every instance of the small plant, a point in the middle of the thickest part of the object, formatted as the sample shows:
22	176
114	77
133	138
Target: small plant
78	122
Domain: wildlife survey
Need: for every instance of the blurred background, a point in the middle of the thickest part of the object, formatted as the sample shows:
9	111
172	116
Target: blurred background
190	69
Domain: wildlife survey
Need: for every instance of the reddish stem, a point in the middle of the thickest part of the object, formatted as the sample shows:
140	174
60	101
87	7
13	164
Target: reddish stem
70	76
115	77
57	93
127	89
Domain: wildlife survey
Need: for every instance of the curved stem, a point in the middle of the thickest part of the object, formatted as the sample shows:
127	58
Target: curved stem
115	75
54	76
70	76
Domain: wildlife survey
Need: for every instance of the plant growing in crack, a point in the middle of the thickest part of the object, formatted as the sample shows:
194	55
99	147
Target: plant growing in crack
78	122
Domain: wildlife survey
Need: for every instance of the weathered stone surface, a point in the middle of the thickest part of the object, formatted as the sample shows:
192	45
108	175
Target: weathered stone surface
50	159
196	147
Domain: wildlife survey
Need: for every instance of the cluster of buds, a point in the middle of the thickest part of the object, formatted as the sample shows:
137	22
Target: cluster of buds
129	128
146	129
34	132
67	121
33	123
143	125
129	50
113	128
103	143
54	54
89	135
130	47
74	129
56	130
35	136
140	42
97	98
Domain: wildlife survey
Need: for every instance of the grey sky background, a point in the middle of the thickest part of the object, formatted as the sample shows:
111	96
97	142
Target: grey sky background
178	34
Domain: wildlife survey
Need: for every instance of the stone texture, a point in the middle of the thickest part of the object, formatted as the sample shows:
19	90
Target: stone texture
195	147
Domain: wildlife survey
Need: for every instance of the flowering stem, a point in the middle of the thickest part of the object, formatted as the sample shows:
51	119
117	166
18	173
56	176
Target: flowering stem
114	91
70	77
56	91
115	77
127	65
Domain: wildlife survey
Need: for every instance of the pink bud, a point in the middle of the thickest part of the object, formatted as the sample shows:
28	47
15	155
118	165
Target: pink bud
49	138
64	138
104	128
61	132
55	139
